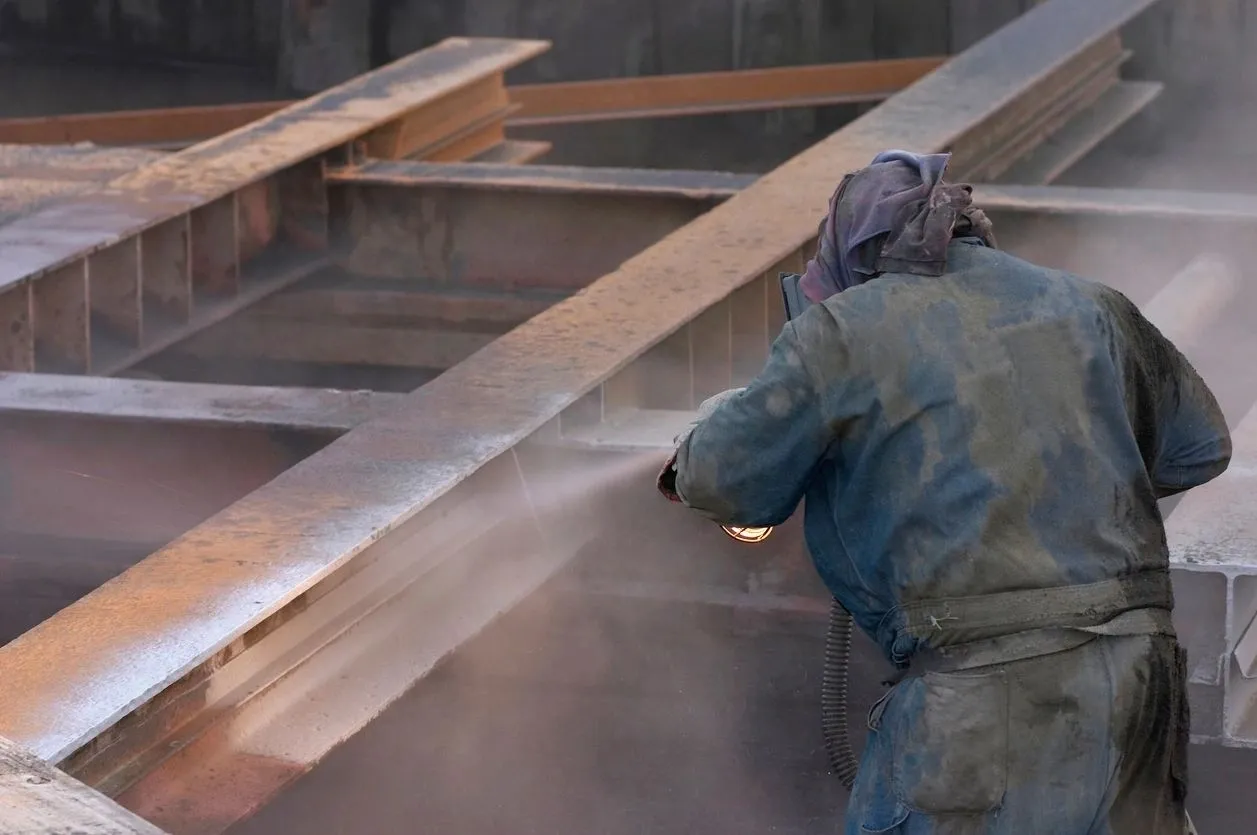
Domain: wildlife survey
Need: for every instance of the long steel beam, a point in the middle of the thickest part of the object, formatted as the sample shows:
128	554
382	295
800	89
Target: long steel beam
694	94
445	258
554	228
36	799
196	404
94	285
380	498
585	101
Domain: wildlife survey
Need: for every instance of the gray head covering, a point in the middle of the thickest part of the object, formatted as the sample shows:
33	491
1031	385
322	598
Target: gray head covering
896	215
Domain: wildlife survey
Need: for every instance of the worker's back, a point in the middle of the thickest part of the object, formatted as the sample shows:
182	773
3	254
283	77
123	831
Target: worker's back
1001	427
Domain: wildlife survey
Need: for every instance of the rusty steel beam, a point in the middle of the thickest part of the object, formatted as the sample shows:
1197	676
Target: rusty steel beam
374	517
586	101
514	152
555	179
650	97
543	227
447	257
33	176
37	799
196	404
1120	103
96	284
164	127
356	321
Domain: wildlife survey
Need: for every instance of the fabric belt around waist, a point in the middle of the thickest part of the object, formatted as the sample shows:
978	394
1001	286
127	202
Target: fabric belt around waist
969	632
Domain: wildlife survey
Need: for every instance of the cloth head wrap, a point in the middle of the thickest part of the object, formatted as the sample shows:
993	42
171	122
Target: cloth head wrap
896	215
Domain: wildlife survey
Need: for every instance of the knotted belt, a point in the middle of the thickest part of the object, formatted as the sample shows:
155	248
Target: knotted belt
965	632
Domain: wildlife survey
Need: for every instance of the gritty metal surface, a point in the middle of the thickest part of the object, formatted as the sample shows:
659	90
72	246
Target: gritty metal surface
36	799
195	177
32	176
78	673
83	162
583	101
208	313
137	127
1085	130
198	404
511	239
717	92
559	179
1118	202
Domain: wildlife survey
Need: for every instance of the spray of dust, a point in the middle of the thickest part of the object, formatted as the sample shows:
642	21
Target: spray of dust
632	692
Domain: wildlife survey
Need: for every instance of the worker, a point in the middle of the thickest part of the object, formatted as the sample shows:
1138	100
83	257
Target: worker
982	444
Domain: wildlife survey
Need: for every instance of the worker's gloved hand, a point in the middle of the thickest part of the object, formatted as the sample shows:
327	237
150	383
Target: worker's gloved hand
667	481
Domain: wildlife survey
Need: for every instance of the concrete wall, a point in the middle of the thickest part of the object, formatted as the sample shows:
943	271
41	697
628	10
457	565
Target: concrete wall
309	43
593	38
235	32
301	46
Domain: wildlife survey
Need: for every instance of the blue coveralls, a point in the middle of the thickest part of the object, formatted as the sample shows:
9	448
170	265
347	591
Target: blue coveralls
998	429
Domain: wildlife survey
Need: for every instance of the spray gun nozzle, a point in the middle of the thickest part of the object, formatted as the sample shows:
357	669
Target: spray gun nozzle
749	535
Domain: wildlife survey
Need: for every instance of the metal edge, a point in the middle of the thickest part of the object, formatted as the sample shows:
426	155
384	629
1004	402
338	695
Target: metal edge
194	177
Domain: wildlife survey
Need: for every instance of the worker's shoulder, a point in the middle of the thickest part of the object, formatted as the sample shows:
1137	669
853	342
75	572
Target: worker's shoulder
994	271
1000	285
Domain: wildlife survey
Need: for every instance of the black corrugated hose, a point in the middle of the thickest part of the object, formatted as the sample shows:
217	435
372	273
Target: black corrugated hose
835	688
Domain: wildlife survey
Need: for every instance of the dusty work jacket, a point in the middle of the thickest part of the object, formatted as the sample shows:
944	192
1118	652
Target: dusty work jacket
1000	428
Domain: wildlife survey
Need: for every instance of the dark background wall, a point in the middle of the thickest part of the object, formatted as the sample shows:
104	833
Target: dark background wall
592	38
208	51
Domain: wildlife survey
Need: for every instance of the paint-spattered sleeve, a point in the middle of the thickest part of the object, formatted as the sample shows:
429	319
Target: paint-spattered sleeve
750	462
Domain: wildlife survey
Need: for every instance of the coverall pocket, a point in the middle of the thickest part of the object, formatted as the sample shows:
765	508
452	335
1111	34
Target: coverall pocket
951	744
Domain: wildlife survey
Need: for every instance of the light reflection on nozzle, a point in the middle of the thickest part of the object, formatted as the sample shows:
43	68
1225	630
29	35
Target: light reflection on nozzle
749	535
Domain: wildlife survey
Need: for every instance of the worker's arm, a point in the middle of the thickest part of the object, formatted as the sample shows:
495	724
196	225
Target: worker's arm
750	461
1189	442
1194	443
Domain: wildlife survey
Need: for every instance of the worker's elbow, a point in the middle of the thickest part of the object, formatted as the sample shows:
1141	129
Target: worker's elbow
726	512
1201	466
733	504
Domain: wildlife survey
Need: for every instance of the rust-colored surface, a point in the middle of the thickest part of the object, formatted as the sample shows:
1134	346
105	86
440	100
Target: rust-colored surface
36	799
483	101
215	169
560	179
237	787
124	482
504	226
78	673
504	239
17	337
31	176
194	404
717	92
584	101
173	126
514	152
